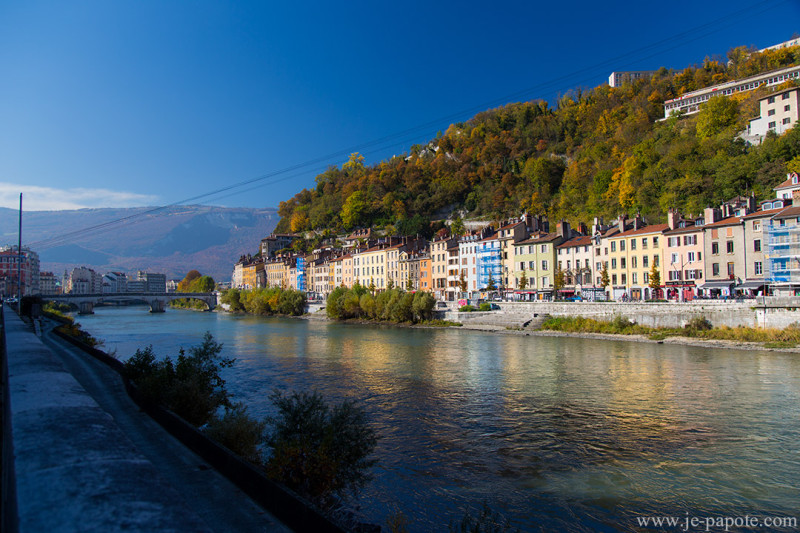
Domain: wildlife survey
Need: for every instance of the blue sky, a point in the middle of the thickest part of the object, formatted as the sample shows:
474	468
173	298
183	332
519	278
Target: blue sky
129	103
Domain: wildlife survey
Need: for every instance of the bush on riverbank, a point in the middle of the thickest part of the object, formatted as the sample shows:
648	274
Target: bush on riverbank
265	301
191	387
319	451
697	327
393	305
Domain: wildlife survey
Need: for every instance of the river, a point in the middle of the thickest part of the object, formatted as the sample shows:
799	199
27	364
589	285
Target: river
554	433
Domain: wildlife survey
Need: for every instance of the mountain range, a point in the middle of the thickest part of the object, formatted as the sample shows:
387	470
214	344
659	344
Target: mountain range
171	240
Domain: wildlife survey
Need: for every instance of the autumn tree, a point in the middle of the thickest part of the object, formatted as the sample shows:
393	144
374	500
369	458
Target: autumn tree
523	281
655	281
559	280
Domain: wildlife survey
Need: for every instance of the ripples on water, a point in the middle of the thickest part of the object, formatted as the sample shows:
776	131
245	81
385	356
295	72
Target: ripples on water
556	434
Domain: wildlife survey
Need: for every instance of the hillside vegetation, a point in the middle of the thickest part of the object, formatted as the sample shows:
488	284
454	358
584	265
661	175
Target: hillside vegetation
599	152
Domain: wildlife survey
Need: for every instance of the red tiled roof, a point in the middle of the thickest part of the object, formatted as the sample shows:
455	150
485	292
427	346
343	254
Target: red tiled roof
583	240
730	221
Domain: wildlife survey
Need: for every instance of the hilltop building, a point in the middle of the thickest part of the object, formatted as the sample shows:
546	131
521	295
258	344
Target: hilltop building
618	78
779	113
689	103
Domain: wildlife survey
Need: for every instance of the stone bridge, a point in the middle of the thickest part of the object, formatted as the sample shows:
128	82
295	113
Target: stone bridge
156	300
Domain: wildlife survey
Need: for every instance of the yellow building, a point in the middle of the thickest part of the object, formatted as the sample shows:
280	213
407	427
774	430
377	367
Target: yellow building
369	267
630	255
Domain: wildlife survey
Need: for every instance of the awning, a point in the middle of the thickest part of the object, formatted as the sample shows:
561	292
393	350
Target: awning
716	285
751	285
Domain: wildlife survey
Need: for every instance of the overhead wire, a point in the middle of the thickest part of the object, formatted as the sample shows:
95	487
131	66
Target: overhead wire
583	75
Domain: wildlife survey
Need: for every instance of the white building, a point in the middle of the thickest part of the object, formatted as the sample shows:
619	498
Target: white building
779	112
468	259
618	78
84	280
689	103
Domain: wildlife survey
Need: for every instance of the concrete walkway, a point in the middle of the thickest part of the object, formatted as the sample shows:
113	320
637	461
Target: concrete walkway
78	468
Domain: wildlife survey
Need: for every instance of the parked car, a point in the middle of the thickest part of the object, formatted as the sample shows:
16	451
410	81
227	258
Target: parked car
574	299
494	307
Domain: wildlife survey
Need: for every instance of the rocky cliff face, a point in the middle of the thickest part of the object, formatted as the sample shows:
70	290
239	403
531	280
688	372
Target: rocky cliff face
172	240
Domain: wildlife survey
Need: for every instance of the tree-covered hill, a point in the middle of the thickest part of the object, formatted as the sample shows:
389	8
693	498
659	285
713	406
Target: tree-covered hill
599	152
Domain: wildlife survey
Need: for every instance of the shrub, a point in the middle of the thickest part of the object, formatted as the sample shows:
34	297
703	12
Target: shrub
485	307
423	305
699	323
466	308
321	452
191	387
238	431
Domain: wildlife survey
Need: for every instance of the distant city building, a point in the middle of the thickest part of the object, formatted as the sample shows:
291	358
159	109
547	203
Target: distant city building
618	78
172	285
29	271
83	280
779	113
115	282
689	103
152	282
48	283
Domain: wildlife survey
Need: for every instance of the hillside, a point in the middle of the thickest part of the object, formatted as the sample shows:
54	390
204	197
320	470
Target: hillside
173	241
599	152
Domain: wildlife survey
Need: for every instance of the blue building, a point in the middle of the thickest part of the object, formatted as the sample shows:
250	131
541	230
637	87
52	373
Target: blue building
489	262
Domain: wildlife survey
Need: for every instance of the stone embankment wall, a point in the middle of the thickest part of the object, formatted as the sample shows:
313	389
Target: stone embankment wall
749	313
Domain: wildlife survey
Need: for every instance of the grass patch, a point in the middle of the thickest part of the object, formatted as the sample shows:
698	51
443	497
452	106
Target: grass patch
698	327
441	323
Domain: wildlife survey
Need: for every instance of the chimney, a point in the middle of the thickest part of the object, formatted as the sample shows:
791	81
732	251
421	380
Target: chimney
545	225
621	221
638	222
711	215
563	229
673	218
582	228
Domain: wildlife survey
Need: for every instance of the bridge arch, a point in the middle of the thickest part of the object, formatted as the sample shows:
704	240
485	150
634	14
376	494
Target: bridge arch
157	301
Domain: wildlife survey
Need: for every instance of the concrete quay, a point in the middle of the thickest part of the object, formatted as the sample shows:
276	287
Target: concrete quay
749	313
69	465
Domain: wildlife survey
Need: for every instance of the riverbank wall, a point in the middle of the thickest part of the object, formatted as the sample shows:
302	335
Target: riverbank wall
749	313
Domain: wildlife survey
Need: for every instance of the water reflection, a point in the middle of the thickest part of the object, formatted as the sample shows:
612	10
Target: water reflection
569	434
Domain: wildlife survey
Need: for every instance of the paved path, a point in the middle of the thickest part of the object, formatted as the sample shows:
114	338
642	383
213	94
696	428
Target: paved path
149	482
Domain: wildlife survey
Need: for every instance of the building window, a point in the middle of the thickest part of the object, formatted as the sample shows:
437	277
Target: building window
730	270
633	261
545	281
771	112
646	278
674	275
634	278
655	242
673	259
729	247
621	246
624	279
715	269
758	269
544	265
633	244
756	225
644	243
622	263
771	125
785	96
714	248
598	266
771	100
655	260
645	261
787	107
613	279
531	265
690	257
787	120
613	262
613	246
757	245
